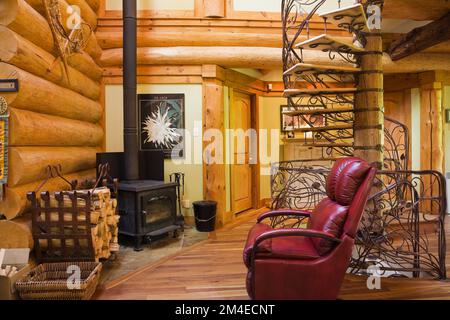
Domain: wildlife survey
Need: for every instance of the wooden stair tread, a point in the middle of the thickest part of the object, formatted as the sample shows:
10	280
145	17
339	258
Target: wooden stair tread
329	145
306	68
320	159
320	145
293	92
352	17
317	111
325	42
325	128
305	106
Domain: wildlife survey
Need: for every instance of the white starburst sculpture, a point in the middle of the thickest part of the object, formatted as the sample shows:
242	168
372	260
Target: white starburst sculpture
158	127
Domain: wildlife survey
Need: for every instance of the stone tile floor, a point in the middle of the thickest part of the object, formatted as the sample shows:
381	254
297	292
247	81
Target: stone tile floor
127	260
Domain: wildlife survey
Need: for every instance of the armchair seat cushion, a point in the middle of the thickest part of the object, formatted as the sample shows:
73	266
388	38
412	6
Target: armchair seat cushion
279	248
293	248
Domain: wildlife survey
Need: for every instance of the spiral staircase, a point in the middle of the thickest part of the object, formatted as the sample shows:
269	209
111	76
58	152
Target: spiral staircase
323	95
406	206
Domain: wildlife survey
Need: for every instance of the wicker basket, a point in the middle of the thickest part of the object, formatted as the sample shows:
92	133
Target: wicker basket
48	281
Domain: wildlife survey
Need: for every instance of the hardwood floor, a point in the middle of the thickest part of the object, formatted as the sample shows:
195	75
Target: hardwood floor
213	269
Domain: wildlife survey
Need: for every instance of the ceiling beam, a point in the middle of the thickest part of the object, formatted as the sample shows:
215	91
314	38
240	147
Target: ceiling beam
419	10
421	38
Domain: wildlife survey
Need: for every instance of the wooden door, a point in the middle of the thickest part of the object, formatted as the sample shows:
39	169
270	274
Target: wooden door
241	171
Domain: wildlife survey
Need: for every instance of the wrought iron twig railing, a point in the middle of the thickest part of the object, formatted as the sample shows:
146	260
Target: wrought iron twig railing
396	145
402	230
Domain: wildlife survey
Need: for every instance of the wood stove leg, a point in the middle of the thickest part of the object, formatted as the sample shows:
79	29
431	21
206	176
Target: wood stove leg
138	243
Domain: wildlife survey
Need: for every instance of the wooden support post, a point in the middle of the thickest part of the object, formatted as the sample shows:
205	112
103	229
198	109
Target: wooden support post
213	120
432	129
368	125
369	106
431	141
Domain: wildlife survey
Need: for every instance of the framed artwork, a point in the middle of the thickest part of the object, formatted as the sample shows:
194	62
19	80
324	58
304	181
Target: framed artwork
287	121
290	122
161	123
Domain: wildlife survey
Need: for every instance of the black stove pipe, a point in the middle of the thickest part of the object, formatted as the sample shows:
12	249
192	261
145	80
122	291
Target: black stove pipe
131	147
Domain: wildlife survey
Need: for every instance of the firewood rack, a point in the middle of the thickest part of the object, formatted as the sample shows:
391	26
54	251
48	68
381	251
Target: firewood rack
61	223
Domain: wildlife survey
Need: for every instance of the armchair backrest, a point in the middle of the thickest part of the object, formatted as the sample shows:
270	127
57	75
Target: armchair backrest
358	204
347	186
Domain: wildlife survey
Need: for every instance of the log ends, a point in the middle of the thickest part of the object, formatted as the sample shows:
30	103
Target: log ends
16	233
8	11
10	44
214	8
19	16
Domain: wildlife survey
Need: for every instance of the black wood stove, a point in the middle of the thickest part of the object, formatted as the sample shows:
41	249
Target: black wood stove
147	205
148	208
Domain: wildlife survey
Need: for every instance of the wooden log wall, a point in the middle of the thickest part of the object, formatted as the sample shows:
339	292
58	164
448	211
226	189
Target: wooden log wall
240	40
259	58
54	118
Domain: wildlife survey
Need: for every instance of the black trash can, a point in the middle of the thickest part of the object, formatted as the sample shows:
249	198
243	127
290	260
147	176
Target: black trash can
205	215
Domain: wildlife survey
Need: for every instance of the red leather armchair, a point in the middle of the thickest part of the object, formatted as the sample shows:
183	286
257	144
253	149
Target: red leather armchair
310	263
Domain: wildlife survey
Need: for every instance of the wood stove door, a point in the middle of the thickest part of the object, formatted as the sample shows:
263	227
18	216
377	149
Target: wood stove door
158	209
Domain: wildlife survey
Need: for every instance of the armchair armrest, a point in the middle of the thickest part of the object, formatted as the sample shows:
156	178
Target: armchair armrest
283	212
292	233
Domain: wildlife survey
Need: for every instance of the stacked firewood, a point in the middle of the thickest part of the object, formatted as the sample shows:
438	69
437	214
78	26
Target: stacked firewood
105	230
103	222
